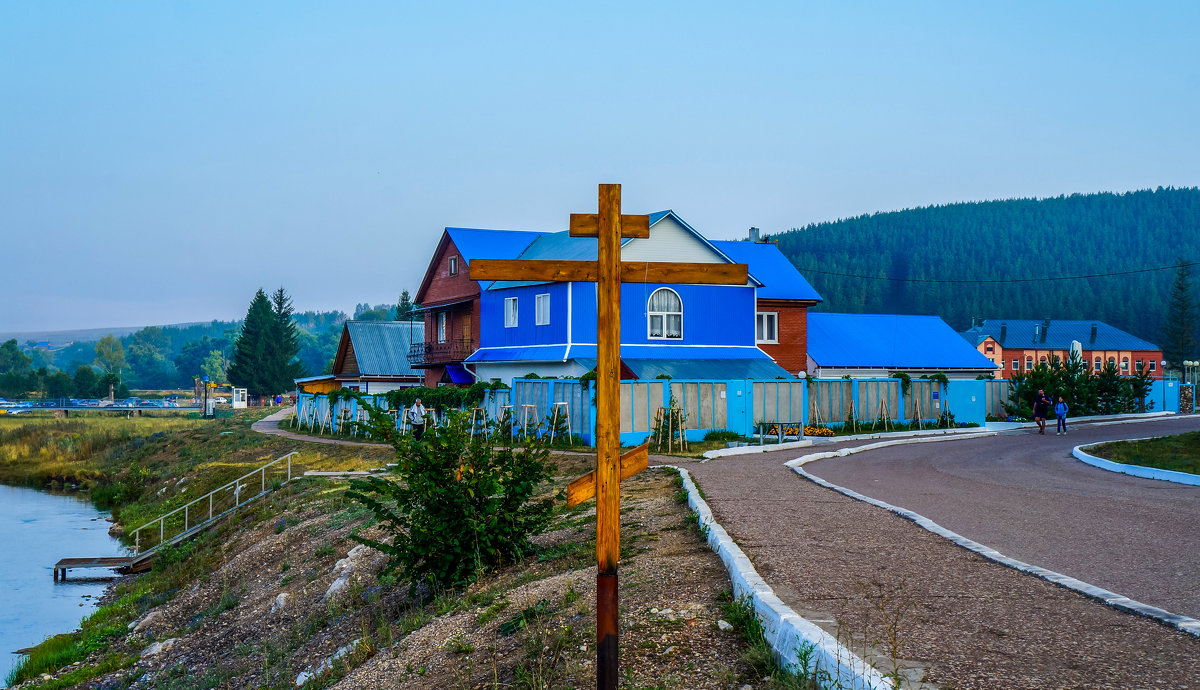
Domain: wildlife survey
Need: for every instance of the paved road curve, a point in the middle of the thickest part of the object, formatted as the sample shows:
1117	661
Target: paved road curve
964	622
1024	495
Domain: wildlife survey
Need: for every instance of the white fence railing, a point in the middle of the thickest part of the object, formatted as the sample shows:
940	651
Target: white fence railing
205	509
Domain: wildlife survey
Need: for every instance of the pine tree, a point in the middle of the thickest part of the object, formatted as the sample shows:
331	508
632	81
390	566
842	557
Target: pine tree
284	345
1179	329
250	367
404	308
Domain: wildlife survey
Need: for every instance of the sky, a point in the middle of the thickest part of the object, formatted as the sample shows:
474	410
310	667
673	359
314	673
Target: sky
160	161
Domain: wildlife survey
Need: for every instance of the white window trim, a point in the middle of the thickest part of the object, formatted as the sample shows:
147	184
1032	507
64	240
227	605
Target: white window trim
542	298
664	314
441	326
1153	364
514	312
454	265
772	316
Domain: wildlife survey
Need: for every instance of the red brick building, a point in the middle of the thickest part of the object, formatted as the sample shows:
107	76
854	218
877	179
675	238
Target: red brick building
450	301
1019	345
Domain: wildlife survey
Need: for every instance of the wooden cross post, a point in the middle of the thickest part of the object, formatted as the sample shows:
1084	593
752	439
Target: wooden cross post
608	272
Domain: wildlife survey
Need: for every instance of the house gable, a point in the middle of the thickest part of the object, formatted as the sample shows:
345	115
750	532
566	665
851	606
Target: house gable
671	240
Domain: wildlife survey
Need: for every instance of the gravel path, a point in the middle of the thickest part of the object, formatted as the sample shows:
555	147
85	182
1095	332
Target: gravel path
969	622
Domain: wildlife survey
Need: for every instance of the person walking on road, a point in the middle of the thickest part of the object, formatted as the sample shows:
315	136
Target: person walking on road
1041	406
1060	411
416	417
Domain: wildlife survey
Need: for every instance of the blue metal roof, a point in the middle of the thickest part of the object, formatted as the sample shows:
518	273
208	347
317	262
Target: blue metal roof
533	353
780	278
889	341
475	243
679	352
560	246
381	347
1056	334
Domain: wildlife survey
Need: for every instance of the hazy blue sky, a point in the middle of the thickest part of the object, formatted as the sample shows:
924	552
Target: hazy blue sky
159	161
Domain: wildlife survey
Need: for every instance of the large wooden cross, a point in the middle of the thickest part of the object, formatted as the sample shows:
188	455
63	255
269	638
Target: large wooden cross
609	226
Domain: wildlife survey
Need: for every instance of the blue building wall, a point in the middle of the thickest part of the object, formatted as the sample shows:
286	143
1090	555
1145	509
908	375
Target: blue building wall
712	314
527	332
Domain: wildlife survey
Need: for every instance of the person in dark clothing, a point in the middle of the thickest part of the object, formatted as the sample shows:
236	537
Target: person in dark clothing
1041	407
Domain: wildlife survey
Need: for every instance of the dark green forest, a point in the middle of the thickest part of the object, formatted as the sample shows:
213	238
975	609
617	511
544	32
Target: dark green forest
1003	240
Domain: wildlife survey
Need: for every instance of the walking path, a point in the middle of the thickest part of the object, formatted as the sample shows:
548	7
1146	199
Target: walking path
270	425
968	621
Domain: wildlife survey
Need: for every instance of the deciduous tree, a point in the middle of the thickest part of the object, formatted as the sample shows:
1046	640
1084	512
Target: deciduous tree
110	354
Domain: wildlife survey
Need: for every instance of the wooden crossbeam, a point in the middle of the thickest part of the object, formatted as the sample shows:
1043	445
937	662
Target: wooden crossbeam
589	272
588	225
632	462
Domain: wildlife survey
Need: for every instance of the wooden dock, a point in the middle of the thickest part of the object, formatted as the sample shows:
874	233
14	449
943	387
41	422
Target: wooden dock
117	562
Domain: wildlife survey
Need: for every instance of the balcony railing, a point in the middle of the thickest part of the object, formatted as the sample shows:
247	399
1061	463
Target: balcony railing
429	354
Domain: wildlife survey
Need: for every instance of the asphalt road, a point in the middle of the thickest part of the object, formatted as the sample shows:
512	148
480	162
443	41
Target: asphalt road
1024	495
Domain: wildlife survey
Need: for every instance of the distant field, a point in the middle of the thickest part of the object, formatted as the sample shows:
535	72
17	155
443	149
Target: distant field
1178	453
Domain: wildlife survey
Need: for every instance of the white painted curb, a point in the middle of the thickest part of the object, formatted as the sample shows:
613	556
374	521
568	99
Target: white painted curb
1134	470
772	447
1188	625
785	630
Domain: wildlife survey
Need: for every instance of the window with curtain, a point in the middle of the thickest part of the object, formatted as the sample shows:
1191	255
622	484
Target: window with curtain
510	312
441	327
664	314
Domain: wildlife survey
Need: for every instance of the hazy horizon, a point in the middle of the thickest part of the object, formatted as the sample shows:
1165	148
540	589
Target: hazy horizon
161	162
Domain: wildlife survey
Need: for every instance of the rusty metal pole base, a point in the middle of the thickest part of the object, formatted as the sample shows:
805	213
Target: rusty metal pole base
606	631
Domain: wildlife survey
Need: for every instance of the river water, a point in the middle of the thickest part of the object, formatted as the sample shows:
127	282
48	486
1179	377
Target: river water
37	529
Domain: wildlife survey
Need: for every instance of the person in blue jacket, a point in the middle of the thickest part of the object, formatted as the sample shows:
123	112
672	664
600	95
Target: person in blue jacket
1060	411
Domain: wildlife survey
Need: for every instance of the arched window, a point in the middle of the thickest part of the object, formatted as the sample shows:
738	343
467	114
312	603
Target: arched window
664	315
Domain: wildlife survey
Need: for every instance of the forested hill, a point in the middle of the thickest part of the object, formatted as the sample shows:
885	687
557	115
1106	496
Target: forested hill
1003	240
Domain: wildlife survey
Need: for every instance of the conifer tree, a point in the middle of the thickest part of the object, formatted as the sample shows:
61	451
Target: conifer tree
1179	329
285	344
250	367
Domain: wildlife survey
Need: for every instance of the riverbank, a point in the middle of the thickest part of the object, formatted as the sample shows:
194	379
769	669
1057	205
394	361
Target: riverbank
254	602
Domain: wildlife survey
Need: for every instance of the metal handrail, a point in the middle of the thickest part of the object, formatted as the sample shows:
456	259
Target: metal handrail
236	485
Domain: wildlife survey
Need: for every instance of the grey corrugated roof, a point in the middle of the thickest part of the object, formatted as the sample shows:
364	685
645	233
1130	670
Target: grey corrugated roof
381	347
1021	333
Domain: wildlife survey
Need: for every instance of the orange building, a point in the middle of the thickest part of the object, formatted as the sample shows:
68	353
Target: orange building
1019	345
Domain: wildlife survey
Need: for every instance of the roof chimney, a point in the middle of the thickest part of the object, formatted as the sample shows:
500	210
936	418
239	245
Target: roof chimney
1003	332
1045	328
1092	340
755	235
1037	332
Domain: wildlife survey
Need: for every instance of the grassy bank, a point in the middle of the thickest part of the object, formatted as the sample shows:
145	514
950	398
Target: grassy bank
1177	453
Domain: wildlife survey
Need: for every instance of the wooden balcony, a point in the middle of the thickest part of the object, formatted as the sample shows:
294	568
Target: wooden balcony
431	353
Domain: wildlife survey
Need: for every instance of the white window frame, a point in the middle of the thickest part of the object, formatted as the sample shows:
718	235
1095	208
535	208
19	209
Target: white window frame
1016	365
542	309
441	327
454	265
510	312
662	316
1153	365
761	319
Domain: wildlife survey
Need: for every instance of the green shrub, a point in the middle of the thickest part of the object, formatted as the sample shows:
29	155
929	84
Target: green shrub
462	505
722	435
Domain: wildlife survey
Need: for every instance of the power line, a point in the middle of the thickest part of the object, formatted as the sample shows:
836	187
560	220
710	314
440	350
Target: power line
997	280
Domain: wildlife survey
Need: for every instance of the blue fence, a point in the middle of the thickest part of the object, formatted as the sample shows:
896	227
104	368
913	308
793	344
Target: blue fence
744	406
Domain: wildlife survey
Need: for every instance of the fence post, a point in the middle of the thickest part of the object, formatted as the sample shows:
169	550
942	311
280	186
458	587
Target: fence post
289	467
210	496
185	516
160	529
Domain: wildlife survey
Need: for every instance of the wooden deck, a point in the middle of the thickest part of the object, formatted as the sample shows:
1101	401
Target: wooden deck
118	562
